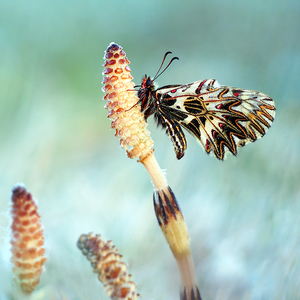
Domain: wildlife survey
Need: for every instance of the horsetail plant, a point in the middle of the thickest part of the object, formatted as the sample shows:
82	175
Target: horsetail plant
27	240
131	128
108	264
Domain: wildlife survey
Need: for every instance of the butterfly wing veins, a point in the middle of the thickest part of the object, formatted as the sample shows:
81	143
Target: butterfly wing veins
221	118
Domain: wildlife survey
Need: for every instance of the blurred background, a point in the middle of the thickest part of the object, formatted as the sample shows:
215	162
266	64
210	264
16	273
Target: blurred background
242	214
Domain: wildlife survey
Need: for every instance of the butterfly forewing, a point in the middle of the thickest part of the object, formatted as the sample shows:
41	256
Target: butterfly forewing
222	118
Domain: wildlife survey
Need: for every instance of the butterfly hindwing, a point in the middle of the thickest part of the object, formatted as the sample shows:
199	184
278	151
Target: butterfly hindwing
174	130
221	118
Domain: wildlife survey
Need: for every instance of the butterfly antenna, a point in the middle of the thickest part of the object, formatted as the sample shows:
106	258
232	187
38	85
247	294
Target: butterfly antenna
158	74
169	52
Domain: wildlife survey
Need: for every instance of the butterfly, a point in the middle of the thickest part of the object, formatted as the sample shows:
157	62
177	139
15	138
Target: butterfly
221	118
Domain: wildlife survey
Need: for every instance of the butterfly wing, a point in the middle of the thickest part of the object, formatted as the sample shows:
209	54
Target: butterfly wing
174	130
222	118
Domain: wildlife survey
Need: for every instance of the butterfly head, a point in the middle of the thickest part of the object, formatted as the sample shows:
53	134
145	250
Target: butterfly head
144	92
147	83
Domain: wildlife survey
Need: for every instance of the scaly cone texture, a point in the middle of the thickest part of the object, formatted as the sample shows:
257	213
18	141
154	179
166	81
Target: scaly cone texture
122	104
27	240
108	264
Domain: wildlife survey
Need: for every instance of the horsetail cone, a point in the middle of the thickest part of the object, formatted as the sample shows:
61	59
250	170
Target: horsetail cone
27	240
109	265
122	104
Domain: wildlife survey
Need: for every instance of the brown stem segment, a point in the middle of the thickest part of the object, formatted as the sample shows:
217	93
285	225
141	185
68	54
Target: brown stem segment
173	226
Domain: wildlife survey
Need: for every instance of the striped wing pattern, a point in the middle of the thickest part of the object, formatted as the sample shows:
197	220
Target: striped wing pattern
221	118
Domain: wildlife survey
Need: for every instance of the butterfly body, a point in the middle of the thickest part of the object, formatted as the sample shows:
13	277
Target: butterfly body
221	118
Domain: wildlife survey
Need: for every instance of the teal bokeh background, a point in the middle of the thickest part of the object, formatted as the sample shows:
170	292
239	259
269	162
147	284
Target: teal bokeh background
243	214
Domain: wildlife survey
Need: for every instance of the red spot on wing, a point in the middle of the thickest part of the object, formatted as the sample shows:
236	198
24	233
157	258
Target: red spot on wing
200	87
236	94
214	133
219	106
173	91
208	145
221	125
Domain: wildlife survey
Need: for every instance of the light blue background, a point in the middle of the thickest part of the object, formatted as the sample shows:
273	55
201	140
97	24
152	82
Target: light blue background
242	214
